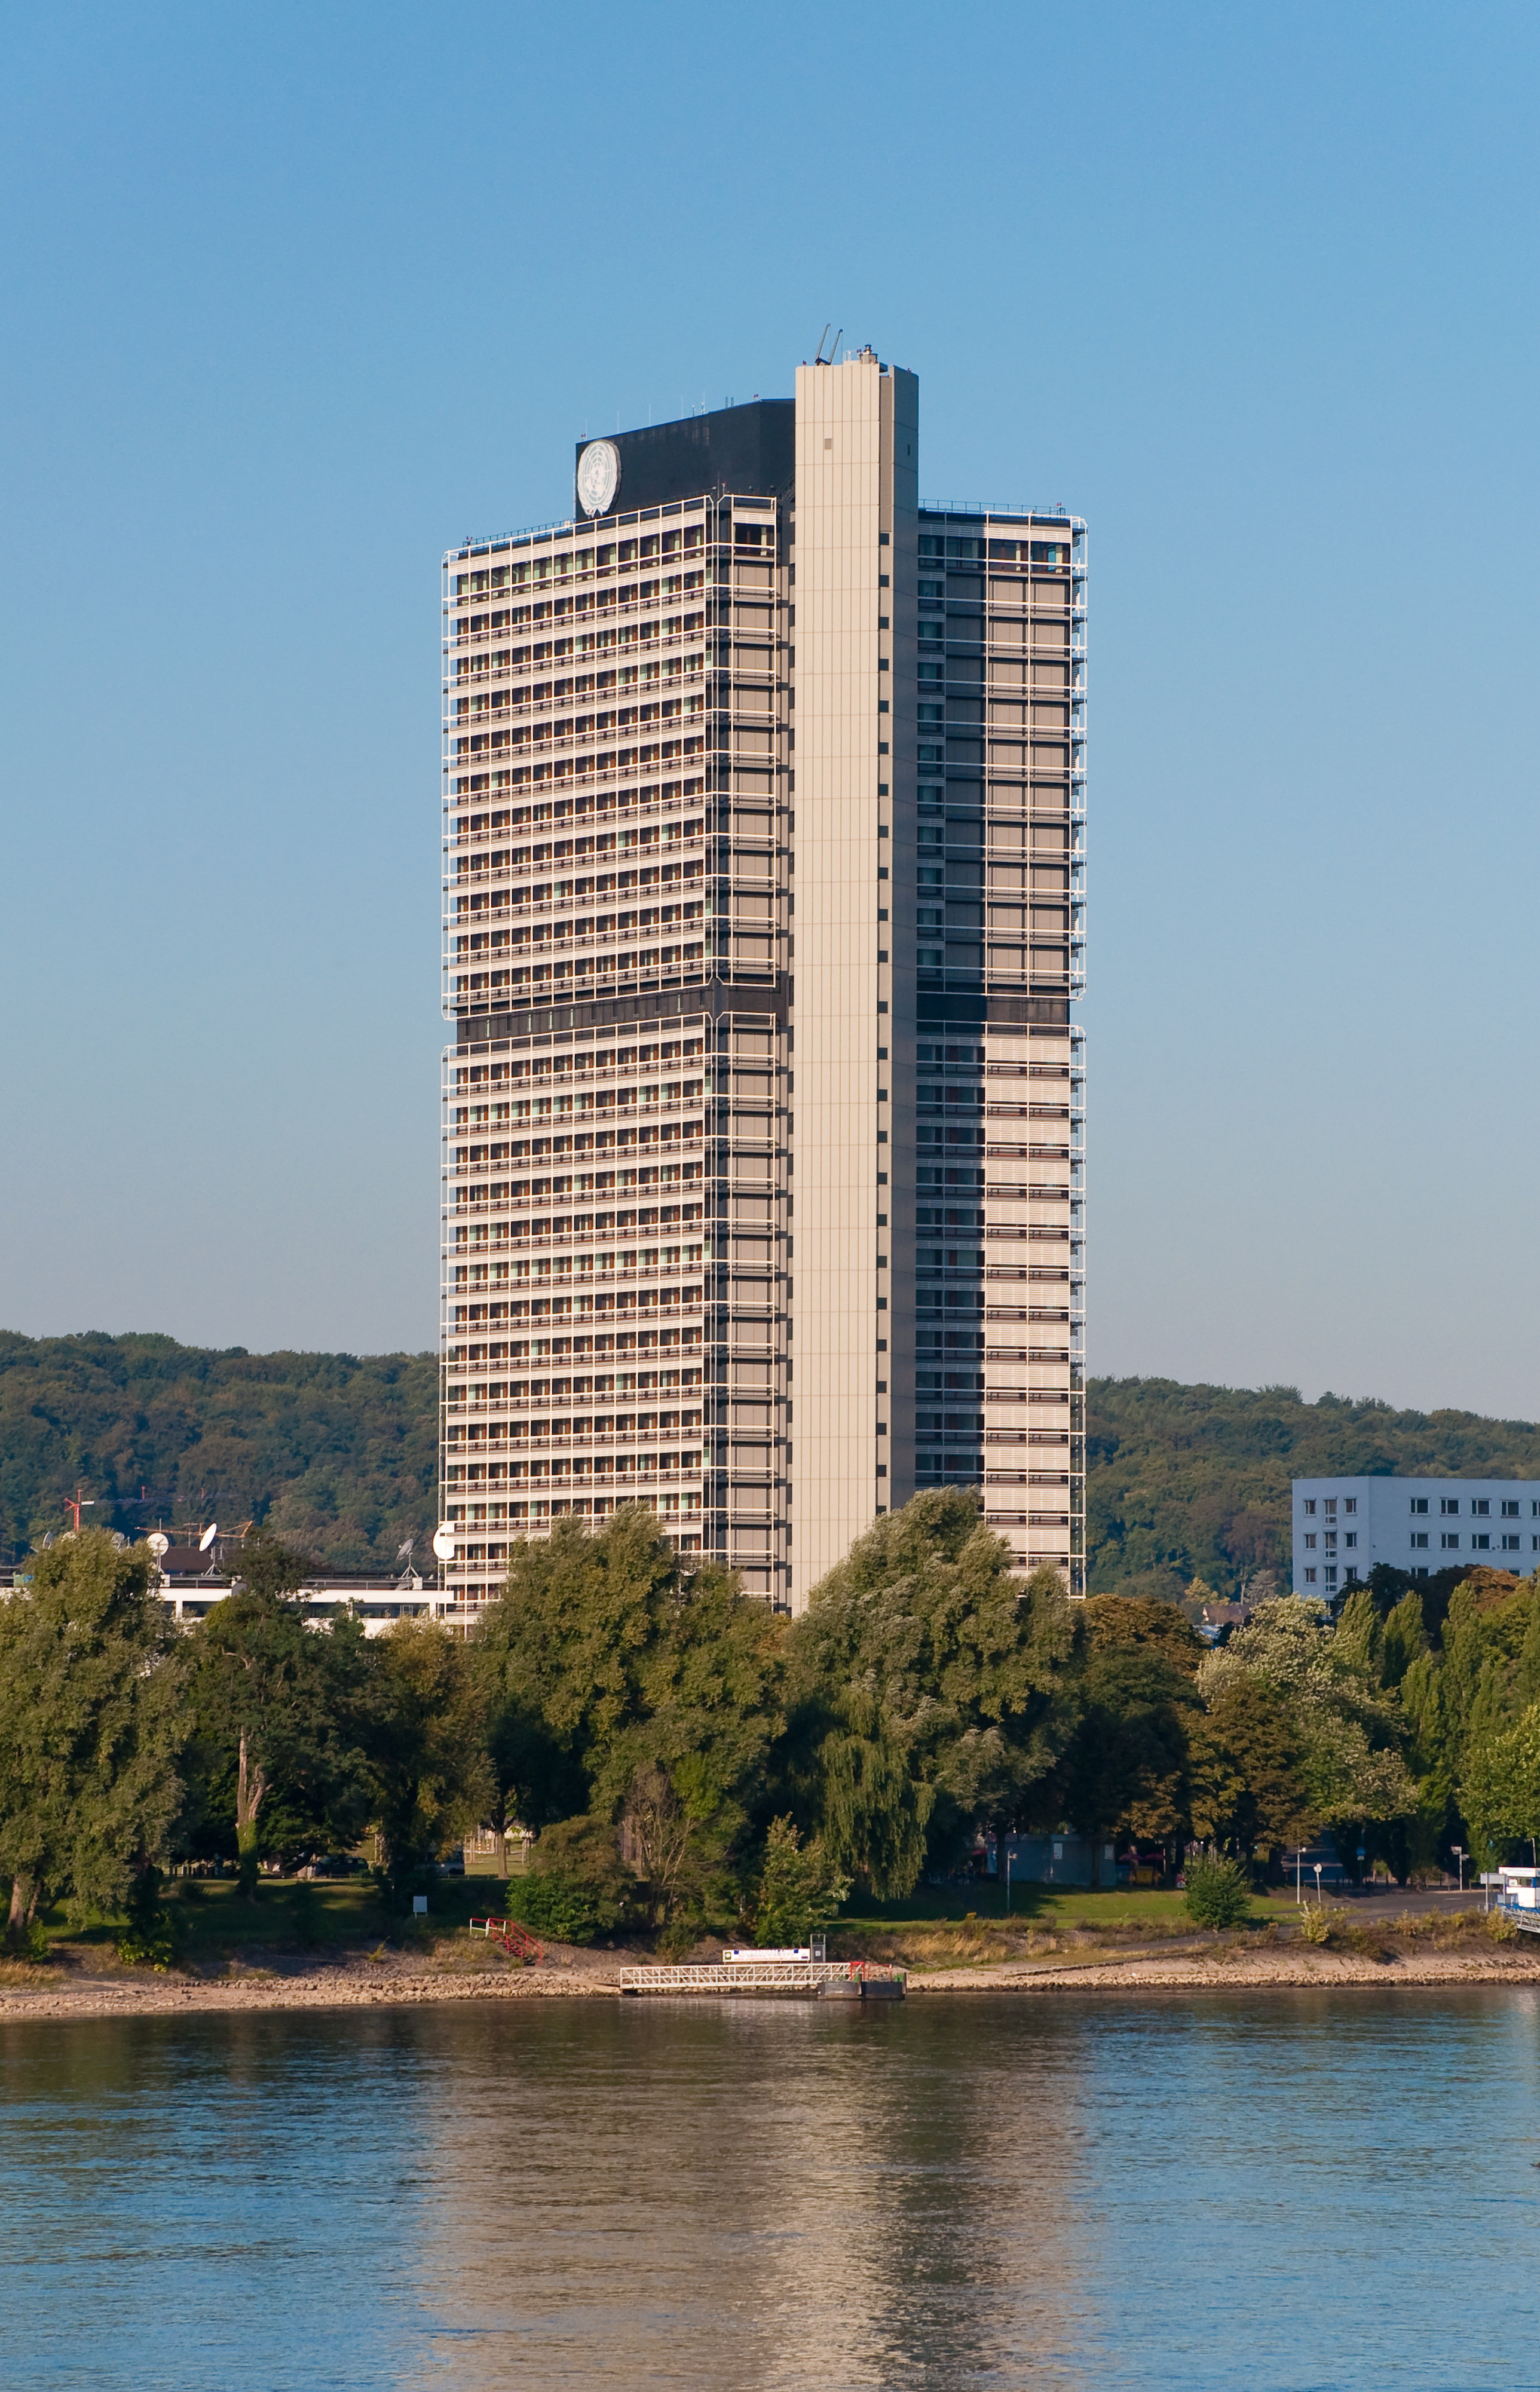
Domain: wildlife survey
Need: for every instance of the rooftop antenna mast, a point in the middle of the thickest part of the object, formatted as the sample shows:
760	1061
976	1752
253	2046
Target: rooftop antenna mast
77	1503
820	359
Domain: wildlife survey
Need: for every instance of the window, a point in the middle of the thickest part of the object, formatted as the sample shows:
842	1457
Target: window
1482	1507
1449	1505
1419	1502
1350	1504
1331	1507
1309	1508
1511	1511
1331	1578
1510	1544
1351	1538
1331	1541
1419	1544
1449	1544
1310	1574
1310	1544
1482	1545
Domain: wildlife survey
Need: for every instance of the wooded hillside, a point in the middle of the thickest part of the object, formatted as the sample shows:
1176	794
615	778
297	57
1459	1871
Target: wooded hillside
336	1452
1195	1480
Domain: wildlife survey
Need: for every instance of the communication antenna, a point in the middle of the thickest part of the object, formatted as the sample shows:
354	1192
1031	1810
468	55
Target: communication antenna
820	358
77	1503
403	1553
208	1536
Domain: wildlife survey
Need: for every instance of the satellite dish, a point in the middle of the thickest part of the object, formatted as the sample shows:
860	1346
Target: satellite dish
403	1552
158	1544
443	1543
208	1536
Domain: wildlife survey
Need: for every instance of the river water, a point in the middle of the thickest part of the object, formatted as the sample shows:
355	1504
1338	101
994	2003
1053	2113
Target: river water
1265	2191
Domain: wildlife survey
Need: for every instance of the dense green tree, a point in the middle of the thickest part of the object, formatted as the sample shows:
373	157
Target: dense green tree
91	1727
433	1776
1248	1789
625	1687
1114	1621
1406	1636
285	1714
928	1692
1500	1789
1348	1729
1126	1770
799	1887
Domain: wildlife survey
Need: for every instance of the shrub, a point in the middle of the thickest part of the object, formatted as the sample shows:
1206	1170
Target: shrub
1319	1926
1219	1891
555	1905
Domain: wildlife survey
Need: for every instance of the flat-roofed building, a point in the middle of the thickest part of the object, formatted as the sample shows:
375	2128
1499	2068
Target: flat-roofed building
764	807
1342	1527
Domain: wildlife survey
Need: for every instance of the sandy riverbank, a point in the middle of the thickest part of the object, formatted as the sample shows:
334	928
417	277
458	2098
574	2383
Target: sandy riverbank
81	1987
1225	1966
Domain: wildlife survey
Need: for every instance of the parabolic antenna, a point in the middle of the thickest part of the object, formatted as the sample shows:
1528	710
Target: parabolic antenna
208	1536
158	1544
443	1543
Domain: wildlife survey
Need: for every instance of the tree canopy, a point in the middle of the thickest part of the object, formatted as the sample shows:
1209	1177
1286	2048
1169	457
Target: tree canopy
928	1691
90	1727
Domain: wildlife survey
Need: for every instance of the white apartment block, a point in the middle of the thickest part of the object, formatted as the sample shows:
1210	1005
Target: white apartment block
763	891
1342	1527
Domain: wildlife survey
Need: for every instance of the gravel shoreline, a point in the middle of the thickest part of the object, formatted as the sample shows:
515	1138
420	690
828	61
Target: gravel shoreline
400	1981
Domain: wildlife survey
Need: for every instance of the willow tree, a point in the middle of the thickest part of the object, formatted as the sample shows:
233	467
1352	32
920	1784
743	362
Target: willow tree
930	1692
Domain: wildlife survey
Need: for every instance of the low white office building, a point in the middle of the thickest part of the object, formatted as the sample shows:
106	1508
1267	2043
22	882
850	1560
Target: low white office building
1342	1527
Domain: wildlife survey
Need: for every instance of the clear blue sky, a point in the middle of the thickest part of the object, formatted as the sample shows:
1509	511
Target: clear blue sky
293	296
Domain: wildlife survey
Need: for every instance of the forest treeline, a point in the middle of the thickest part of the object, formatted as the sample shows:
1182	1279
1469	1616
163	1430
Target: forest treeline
690	1761
337	1453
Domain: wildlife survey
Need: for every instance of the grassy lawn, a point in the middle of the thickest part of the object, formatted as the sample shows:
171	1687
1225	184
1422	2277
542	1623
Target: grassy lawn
288	1913
1043	1906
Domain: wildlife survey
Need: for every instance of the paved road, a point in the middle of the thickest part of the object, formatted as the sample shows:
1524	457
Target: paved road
1392	1904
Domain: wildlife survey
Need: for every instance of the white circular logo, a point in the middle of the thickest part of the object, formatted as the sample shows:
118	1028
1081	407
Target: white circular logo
598	476
443	1543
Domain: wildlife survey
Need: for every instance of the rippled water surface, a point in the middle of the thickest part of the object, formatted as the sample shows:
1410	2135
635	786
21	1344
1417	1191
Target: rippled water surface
1268	2192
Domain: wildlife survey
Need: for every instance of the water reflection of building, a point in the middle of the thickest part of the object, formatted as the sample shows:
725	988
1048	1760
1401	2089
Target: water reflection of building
763	2194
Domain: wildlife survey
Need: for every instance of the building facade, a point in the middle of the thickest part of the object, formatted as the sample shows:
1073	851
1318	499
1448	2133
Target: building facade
1342	1527
764	809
